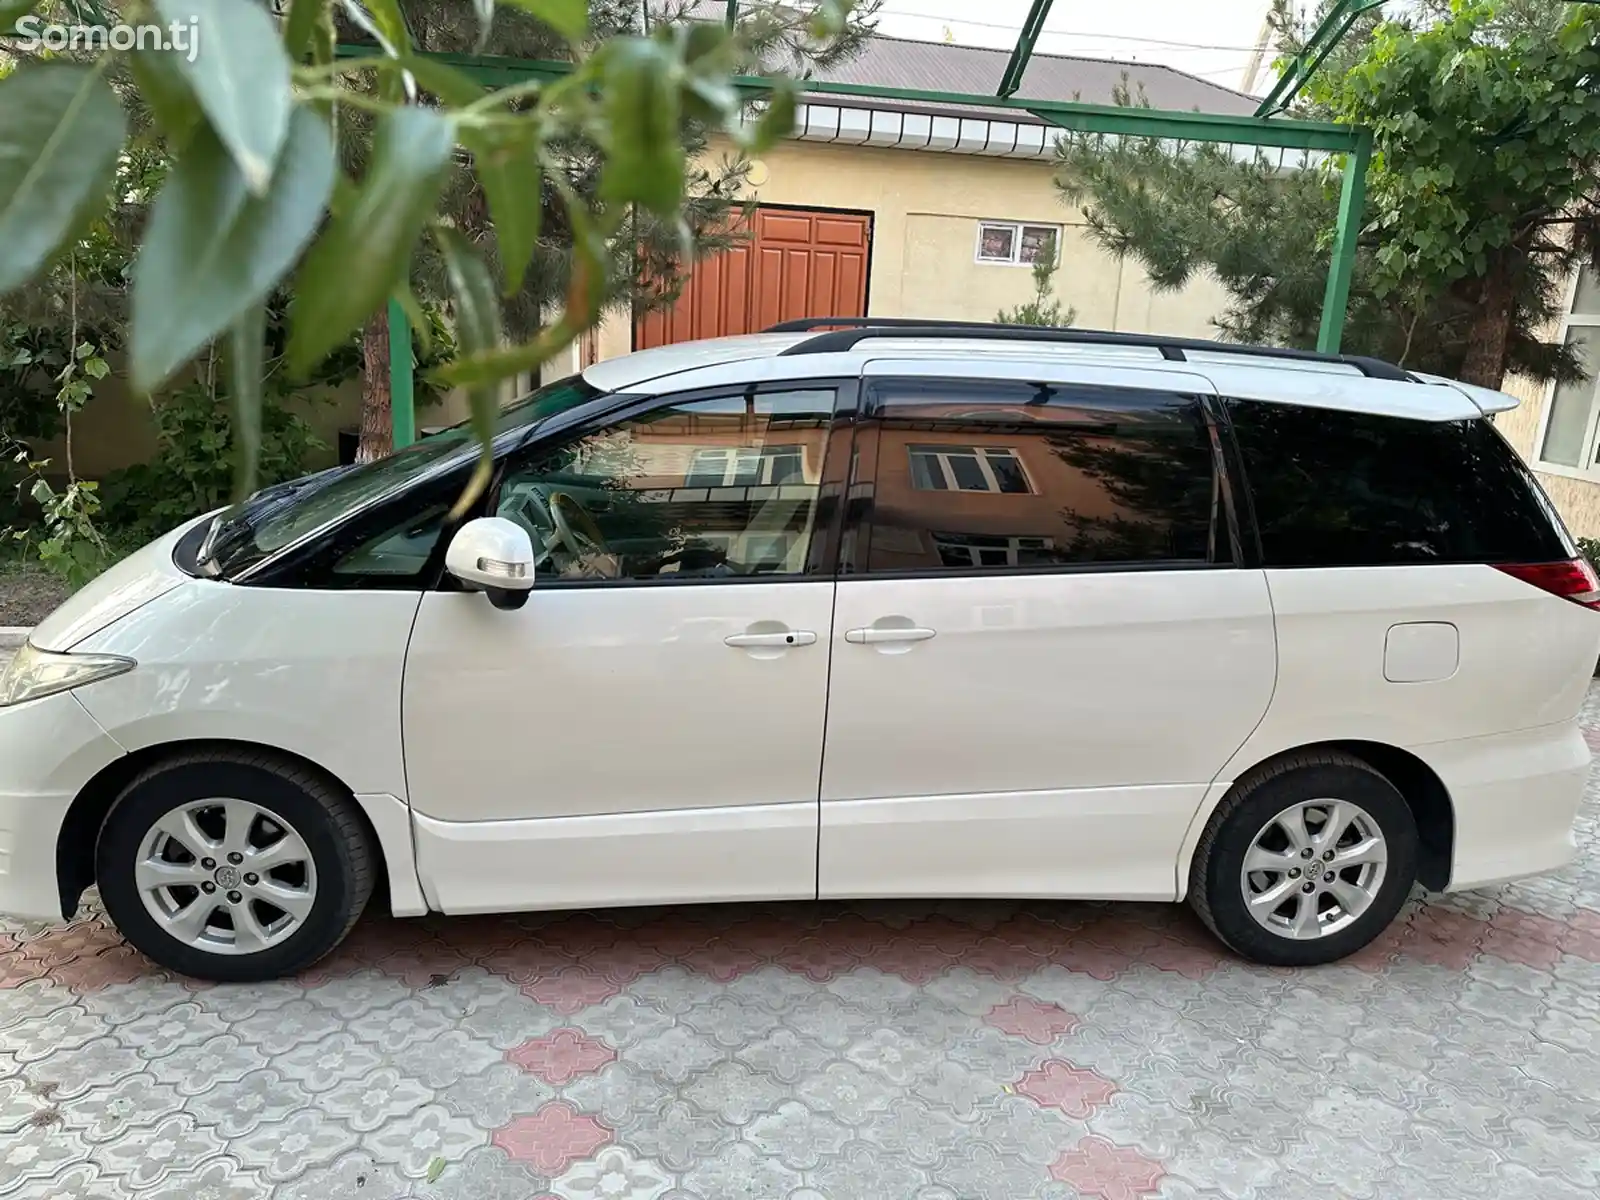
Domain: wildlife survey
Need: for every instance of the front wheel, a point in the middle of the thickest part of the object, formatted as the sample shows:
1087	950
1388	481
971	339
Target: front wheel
1306	862
233	867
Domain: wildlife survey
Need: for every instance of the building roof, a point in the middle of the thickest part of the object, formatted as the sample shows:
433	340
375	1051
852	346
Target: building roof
945	67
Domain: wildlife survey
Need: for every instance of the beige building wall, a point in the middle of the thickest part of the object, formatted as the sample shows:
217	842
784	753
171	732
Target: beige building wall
116	427
1577	500
926	208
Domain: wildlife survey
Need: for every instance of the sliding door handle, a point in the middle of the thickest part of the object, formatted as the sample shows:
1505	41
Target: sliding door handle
872	635
790	637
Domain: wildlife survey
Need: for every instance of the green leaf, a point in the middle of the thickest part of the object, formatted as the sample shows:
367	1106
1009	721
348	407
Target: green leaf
491	366
14	11
453	86
477	319
60	131
246	341
164	89
569	18
642	103
477	307
211	250
300	29
507	167
436	1166
324	39
389	26
240	74
485	13
777	121
366	250
96	368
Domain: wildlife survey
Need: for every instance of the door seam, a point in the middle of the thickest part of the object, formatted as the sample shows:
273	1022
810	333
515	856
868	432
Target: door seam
822	758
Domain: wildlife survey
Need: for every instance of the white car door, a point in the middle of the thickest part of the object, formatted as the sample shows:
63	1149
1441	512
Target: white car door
1043	649
648	727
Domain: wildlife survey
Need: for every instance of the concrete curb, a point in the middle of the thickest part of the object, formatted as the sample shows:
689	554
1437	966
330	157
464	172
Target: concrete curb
12	636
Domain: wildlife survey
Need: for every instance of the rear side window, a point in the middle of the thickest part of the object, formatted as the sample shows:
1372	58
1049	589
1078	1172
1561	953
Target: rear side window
1339	489
972	475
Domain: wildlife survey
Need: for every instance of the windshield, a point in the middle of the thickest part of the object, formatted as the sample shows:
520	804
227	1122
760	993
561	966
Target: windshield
277	516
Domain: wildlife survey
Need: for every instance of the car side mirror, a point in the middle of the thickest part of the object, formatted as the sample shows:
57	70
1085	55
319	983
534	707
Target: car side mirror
494	556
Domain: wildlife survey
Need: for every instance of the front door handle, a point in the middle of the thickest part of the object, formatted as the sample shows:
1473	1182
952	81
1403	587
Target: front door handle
790	637
874	634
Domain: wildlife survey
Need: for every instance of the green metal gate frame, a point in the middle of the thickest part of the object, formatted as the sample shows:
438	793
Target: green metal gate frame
1261	129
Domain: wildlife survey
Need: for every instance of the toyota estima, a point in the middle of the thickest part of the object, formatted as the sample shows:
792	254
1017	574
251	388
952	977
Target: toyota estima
876	611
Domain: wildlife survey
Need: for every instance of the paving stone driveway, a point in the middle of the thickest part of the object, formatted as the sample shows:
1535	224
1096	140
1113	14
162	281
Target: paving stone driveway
805	1052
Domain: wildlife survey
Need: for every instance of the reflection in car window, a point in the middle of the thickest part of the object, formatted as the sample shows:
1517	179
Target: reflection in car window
278	516
701	489
994	475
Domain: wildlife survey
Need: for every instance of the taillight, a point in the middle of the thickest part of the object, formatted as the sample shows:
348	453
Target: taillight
1573	580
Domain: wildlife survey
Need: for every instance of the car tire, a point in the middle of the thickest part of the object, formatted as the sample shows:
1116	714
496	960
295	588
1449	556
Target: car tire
1274	816
314	857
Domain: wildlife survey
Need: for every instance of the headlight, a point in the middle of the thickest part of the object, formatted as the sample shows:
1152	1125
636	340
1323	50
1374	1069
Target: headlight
34	672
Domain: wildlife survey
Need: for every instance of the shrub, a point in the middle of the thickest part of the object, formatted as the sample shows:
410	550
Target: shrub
196	462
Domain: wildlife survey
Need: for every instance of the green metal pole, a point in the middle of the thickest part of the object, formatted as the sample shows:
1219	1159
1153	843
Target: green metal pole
1297	71
732	16
1352	198
402	396
1023	50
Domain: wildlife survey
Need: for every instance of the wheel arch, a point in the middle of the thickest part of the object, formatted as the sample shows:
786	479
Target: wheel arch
79	836
1418	784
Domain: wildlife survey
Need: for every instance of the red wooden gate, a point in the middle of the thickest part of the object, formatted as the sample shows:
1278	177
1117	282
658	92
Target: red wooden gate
796	264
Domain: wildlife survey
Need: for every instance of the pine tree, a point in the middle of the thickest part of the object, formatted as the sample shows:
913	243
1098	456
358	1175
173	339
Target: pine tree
1482	193
1044	309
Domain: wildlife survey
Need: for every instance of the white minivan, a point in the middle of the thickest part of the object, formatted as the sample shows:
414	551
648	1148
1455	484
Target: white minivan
845	609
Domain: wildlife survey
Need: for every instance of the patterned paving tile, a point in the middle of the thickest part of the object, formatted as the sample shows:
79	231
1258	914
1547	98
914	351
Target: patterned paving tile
925	1051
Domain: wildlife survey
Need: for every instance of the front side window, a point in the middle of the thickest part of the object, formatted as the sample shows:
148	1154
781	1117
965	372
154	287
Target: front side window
1342	489
279	516
980	475
720	487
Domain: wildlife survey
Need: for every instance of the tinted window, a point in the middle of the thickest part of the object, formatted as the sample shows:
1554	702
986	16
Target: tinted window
1347	489
277	516
983	475
700	489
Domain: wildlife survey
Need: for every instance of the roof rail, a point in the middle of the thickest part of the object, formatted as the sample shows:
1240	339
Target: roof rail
845	332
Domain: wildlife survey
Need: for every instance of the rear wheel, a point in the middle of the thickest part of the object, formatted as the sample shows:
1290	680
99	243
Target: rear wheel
233	867
1306	862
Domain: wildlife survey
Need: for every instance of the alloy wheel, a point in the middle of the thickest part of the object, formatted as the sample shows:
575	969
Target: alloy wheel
226	876
1313	869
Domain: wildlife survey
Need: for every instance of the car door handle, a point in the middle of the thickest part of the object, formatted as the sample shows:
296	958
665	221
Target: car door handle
790	637
872	635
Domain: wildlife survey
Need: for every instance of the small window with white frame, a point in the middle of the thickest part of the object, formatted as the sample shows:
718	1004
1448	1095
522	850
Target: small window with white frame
1015	243
1567	442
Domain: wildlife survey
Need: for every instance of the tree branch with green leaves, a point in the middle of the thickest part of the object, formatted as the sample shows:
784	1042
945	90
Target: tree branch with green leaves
256	196
1483	194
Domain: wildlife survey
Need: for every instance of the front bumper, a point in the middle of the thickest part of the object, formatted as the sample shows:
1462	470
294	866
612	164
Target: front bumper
49	749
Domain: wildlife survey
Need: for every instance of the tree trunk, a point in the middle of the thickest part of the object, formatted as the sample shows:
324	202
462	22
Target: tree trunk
1485	361
377	406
